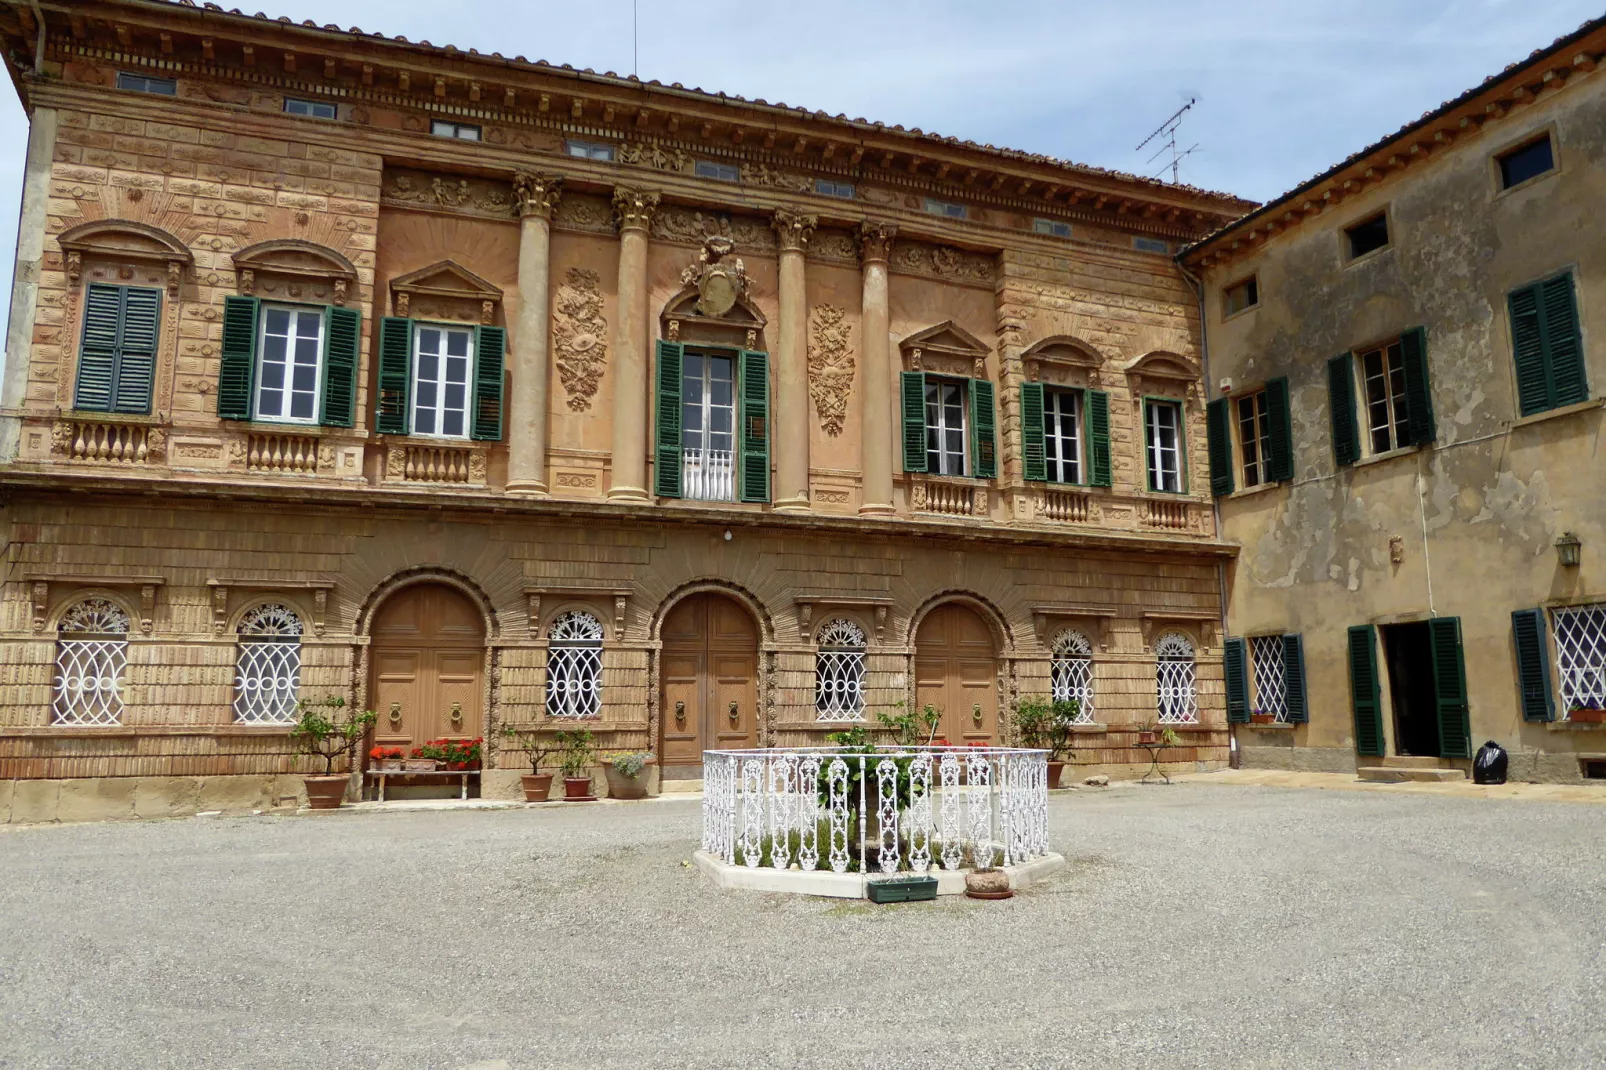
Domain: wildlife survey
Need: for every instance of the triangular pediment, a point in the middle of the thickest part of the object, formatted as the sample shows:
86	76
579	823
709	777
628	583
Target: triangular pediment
446	278
946	337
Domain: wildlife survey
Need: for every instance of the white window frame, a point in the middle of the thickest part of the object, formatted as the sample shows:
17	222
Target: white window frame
1156	453
297	312
938	426
267	665
1175	680
311	109
91	655
1057	442
1253	434
453	129
1391	375
439	409
590	150
839	672
1071	673
1579	633
574	666
707	474
1270	673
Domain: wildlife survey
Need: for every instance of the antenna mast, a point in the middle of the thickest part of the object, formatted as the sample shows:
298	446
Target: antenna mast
1167	132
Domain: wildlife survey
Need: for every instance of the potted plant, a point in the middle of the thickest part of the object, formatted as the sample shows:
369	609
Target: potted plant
536	748
1260	716
419	762
388	759
1047	725
1589	711
624	772
1152	733
576	755
328	730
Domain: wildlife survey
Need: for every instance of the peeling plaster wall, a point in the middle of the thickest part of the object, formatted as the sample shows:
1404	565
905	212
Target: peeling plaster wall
1477	514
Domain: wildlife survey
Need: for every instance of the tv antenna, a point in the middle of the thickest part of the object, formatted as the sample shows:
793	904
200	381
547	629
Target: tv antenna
1166	133
635	40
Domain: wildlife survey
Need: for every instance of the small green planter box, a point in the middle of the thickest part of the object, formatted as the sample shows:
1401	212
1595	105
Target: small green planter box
903	890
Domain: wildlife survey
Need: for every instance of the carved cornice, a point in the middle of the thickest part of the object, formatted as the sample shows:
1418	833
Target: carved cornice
537	194
793	229
448	193
634	208
875	240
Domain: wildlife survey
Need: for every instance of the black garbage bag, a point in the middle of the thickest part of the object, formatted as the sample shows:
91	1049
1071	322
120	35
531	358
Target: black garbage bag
1489	767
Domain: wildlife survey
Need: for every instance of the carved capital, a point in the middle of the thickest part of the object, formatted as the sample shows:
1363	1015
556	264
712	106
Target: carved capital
537	194
875	240
634	208
793	229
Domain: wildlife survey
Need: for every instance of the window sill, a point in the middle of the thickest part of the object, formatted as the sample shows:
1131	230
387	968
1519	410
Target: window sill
1556	414
287	427
1188	726
1250	492
1089	729
1276	726
1389	455
1370	255
83	731
1574	726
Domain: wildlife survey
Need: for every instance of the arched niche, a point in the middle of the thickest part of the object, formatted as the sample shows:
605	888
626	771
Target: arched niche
125	245
1063	361
947	349
295	269
445	290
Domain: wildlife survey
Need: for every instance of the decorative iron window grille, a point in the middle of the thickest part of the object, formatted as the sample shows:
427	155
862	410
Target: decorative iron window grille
574	666
91	653
839	672
267	673
1581	656
1271	678
1071	673
1174	680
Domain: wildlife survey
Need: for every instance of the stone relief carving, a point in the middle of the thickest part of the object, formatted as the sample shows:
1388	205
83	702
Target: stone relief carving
476	196
834	245
579	333
943	262
652	154
583	212
693	227
720	277
830	366
757	174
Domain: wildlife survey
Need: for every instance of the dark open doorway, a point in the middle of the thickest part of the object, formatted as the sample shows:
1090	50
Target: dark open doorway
1409	650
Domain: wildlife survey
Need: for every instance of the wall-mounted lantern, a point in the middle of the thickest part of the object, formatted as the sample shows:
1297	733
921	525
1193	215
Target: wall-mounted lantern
1568	549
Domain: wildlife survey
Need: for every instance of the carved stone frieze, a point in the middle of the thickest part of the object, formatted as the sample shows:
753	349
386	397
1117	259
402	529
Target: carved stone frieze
652	153
583	212
758	174
536	194
452	193
690	226
634	209
830	366
579	335
942	262
834	246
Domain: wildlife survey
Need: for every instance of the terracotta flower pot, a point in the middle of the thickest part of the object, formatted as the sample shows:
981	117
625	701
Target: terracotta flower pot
1148	737
577	787
626	787
988	884
537	786
1587	716
1055	769
421	765
325	792
1262	718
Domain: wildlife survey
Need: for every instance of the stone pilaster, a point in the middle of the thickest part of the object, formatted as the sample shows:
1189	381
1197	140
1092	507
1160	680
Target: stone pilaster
632	337
789	408
530	357
878	422
25	277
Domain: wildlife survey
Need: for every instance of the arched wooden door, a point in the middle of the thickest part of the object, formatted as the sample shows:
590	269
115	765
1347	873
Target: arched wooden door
710	682
956	670
427	659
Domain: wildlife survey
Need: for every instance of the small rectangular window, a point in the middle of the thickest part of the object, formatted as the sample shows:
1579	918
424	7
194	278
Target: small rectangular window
589	150
1525	162
461	131
1150	245
1383	388
946	208
1368	235
945	426
312	109
1053	227
831	188
140	83
1163	432
724	172
1241	295
1254	430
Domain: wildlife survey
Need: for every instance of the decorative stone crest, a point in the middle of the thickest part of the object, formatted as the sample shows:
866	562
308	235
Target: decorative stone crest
537	194
793	229
634	208
830	366
579	333
720	278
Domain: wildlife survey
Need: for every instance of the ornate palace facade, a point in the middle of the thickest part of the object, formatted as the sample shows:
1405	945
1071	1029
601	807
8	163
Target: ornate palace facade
487	392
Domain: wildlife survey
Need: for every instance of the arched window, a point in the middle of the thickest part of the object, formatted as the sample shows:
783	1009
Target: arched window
91	651
839	672
1072	673
574	666
1173	679
268	667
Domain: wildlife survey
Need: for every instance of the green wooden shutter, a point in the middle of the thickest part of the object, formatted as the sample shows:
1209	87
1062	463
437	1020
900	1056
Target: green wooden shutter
136	350
341	346
1235	663
1341	404
1528	345
1418	395
1034	462
97	354
1366	697
1564	350
490	356
237	367
983	430
1098	437
755	439
1450	687
392	411
1533	665
914	421
1280	441
666	449
1294	680
1218	437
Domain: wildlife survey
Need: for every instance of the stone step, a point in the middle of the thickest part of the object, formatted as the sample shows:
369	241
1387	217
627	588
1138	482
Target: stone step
1411	761
676	787
1390	774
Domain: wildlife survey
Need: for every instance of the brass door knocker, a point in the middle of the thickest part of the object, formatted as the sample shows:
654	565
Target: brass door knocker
395	714
457	713
680	711
975	713
735	716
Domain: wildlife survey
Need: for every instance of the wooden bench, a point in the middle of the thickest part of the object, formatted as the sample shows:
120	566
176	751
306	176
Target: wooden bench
381	775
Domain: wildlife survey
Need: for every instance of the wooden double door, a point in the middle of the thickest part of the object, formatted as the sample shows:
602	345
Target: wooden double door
956	670
709	676
427	662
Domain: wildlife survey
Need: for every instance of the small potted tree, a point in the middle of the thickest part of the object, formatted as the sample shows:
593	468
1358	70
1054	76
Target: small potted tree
626	775
537	749
1046	725
576	755
328	730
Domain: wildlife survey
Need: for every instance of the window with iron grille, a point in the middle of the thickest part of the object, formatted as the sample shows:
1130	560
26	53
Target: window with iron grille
267	673
1271	677
945	426
1175	690
91	653
1581	656
574	666
1383	386
1071	673
839	672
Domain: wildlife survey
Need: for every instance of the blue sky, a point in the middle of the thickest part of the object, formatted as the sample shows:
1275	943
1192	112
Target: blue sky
1285	89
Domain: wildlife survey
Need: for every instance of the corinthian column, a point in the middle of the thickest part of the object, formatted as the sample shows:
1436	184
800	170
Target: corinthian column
530	356
789	410
878	424
631	336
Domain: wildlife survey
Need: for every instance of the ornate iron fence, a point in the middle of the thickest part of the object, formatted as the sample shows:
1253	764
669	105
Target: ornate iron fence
887	810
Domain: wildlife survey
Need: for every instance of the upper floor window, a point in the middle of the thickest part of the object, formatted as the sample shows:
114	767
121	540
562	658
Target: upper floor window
1174	680
1150	245
443	359
312	109
574	666
945	426
724	172
267	675
440	379
708	427
1396	402
839	672
450	128
1527	161
1254	432
1388	421
1062	435
91	653
1053	227
1245	293
117	359
142	83
832	188
713	424
1549	350
946	208
1368	235
590	150
1163	444
289	354
1071	673
948	426
1265	439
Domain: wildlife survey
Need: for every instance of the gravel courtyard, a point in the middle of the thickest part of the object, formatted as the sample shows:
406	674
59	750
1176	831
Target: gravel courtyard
1197	925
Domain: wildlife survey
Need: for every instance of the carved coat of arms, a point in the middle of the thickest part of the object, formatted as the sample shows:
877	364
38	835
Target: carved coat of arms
720	278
